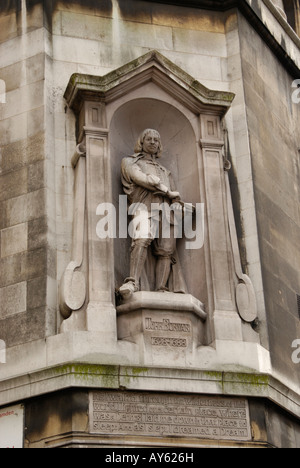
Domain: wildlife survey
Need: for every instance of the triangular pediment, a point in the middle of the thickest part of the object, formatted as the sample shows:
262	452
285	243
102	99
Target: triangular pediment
154	67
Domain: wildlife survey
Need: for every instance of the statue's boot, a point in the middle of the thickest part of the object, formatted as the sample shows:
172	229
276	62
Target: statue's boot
163	270
137	262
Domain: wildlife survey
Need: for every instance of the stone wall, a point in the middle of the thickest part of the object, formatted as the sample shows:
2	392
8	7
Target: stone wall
40	50
39	130
98	38
27	263
66	419
273	122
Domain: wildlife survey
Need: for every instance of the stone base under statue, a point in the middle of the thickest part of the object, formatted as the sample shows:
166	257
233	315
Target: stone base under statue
166	326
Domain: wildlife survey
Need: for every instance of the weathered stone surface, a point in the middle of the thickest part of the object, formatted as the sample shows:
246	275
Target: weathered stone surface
37	233
222	51
24	327
13	300
8	186
275	162
36	292
14	240
62	413
21	152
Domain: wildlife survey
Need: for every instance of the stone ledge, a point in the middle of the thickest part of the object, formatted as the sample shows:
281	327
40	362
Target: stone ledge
163	301
91	441
92	376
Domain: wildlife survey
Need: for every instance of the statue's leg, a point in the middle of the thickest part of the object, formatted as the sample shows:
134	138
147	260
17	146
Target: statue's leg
163	270
163	249
142	238
137	261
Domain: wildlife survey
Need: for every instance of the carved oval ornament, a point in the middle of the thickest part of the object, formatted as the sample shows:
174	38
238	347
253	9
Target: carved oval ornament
72	292
246	300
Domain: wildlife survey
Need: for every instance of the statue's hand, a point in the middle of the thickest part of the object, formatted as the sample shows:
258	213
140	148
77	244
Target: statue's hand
173	195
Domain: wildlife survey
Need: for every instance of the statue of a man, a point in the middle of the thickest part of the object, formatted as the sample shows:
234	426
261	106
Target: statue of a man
148	184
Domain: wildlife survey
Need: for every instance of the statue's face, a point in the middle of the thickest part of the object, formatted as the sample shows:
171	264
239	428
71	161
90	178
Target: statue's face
151	143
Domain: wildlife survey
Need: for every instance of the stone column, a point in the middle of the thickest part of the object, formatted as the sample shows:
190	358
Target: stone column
101	314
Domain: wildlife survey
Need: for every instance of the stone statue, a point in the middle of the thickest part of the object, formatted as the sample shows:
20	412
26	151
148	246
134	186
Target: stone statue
151	192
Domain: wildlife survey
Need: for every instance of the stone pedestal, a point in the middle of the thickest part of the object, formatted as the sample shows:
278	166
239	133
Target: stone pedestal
168	327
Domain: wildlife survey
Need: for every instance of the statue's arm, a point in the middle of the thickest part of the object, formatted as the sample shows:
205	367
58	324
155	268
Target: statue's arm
148	181
173	193
153	183
131	172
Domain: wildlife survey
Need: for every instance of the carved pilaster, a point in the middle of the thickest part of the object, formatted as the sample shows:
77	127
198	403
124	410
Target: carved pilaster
244	293
226	323
92	187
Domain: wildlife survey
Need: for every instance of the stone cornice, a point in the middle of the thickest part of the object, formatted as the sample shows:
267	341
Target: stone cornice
152	66
90	376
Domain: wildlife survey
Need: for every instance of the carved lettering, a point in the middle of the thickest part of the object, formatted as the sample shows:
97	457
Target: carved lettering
169	415
174	342
167	326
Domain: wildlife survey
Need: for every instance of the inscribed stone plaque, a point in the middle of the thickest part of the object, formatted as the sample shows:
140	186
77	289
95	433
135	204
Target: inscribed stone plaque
163	415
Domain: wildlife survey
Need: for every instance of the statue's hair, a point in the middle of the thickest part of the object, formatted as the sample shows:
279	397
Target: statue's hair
139	144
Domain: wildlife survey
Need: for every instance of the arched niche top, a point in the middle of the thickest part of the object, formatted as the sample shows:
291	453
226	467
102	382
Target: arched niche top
154	67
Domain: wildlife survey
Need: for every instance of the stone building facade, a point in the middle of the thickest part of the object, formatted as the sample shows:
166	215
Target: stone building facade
79	81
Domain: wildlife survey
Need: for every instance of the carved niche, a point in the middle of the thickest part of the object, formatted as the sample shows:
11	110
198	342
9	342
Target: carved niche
152	92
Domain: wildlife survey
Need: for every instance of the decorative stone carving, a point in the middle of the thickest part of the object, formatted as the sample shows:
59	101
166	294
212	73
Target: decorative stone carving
73	282
112	110
245	294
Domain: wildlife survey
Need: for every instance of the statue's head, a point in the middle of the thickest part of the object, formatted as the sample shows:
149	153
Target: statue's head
150	142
